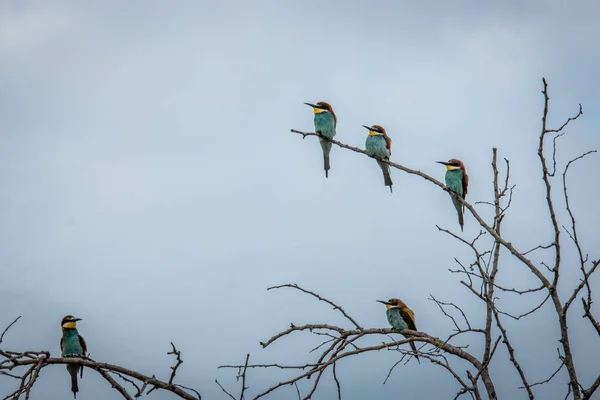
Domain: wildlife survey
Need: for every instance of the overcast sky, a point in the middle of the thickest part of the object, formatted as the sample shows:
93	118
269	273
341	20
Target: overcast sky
151	186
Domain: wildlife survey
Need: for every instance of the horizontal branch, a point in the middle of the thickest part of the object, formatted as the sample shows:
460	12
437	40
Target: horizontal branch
352	335
100	366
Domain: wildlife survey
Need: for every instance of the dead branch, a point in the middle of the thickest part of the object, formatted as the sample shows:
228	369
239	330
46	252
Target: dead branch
244	377
335	306
177	355
481	274
526	313
224	390
348	343
587	393
114	384
7	328
512	355
562	312
467	205
586	308
34	361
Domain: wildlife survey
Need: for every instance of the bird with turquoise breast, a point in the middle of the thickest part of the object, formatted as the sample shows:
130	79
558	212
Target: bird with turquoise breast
400	317
379	144
72	345
457	181
325	124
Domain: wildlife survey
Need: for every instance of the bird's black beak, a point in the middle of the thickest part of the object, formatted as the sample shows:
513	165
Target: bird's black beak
77	319
369	128
442	162
311	105
383	302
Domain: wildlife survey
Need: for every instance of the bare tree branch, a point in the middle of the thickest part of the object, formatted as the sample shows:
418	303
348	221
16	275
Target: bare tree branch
244	377
468	206
33	362
588	315
225	391
345	338
335	306
177	355
480	275
114	384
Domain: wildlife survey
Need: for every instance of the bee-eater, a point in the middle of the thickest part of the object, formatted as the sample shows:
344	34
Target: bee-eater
72	345
325	123
400	318
457	180
379	144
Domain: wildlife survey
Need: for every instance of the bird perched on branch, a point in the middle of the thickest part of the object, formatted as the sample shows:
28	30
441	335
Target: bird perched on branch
457	180
325	123
379	144
72	345
400	318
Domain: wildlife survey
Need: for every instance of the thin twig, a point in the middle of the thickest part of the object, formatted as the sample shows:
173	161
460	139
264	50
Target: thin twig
225	391
177	354
114	384
244	377
335	306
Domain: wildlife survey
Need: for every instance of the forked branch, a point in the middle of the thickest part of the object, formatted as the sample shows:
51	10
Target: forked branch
344	343
26	366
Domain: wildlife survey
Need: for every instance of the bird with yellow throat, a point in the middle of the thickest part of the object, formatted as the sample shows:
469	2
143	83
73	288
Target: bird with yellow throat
325	124
72	345
379	144
400	317
457	181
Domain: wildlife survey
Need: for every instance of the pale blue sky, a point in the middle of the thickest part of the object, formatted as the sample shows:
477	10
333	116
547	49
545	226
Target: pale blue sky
151	185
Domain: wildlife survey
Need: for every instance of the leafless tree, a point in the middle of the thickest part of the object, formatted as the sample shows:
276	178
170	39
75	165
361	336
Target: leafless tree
480	278
25	366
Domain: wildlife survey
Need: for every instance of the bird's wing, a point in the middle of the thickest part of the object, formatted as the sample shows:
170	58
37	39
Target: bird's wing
61	343
465	184
84	347
388	143
409	317
83	344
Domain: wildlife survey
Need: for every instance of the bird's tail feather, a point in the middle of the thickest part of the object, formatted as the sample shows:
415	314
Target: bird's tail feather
73	370
387	175
326	146
414	348
459	209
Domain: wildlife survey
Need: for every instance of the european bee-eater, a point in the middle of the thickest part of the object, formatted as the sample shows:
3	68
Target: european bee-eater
72	345
325	123
400	318
379	144
457	180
